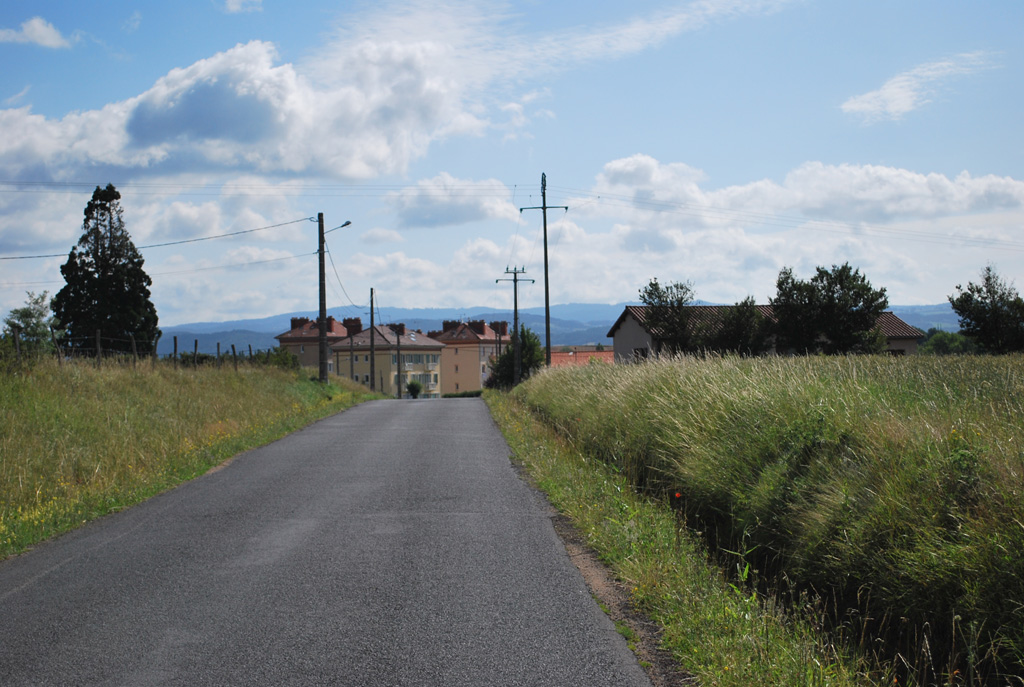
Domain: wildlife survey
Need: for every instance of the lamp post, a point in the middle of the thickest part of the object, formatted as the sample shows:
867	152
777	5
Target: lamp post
321	324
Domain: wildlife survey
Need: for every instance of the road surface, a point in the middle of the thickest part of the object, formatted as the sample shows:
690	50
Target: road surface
390	545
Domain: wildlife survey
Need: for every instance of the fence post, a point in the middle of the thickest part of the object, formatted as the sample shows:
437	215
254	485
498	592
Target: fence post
195	355
250	352
17	342
135	352
99	349
218	354
56	347
175	354
156	343
234	357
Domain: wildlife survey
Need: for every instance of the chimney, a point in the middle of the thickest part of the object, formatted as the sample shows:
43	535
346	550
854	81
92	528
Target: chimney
299	321
449	325
353	325
477	326
500	327
398	328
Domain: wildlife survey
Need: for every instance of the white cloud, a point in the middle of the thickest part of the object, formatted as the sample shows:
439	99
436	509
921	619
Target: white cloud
445	200
379	235
235	6
913	89
17	96
38	31
132	23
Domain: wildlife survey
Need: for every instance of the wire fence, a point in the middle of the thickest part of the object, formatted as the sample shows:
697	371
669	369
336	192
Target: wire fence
17	352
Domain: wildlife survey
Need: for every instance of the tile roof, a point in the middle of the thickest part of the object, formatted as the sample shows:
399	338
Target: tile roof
308	331
386	338
466	333
563	358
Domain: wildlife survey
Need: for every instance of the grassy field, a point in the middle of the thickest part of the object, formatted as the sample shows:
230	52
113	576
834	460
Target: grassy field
77	442
886	495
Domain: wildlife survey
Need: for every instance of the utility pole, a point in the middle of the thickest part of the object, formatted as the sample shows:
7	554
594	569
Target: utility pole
547	292
398	372
373	352
321	322
517	352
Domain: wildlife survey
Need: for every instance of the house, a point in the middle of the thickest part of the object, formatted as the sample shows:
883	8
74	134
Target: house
633	340
303	339
470	349
420	358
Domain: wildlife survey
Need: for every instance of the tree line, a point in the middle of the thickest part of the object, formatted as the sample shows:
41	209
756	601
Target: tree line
835	311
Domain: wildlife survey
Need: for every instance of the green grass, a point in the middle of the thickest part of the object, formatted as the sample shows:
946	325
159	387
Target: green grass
722	632
887	492
78	442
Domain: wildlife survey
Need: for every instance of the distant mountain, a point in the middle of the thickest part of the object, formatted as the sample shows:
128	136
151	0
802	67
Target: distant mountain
571	324
926	317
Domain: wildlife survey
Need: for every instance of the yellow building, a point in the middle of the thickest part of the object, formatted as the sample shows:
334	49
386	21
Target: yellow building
469	351
393	356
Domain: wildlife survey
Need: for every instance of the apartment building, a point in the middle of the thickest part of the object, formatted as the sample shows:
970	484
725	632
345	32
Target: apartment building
469	350
394	357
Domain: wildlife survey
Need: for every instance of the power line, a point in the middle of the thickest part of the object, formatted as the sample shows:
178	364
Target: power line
173	243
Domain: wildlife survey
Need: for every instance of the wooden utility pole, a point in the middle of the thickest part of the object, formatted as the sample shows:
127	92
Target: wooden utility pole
547	292
373	351
399	371
517	350
321	323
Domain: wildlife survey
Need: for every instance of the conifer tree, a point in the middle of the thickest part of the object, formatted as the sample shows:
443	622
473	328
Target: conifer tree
106	288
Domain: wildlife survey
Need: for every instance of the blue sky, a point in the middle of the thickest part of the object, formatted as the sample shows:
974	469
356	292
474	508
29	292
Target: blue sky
715	141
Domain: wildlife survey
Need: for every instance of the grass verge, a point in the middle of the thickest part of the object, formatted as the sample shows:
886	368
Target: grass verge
890	489
78	442
725	634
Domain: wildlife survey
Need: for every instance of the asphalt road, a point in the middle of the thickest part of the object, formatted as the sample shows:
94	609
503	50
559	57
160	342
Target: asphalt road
392	544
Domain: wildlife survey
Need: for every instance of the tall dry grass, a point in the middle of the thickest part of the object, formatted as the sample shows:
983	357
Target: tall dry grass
891	488
77	442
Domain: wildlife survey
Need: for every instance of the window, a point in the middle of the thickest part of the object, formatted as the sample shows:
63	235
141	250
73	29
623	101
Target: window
366	379
456	368
456	351
456	386
302	348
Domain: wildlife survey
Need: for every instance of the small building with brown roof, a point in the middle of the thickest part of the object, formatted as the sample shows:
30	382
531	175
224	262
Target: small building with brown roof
633	339
470	349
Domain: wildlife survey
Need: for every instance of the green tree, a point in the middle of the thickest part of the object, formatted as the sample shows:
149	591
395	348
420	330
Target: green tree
106	288
667	315
834	312
741	329
503	372
414	388
991	313
33	322
939	342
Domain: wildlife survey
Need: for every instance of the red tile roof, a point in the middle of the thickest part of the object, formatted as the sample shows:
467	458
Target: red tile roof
308	331
563	358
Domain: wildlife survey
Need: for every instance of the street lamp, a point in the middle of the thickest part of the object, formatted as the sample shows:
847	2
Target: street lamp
322	320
